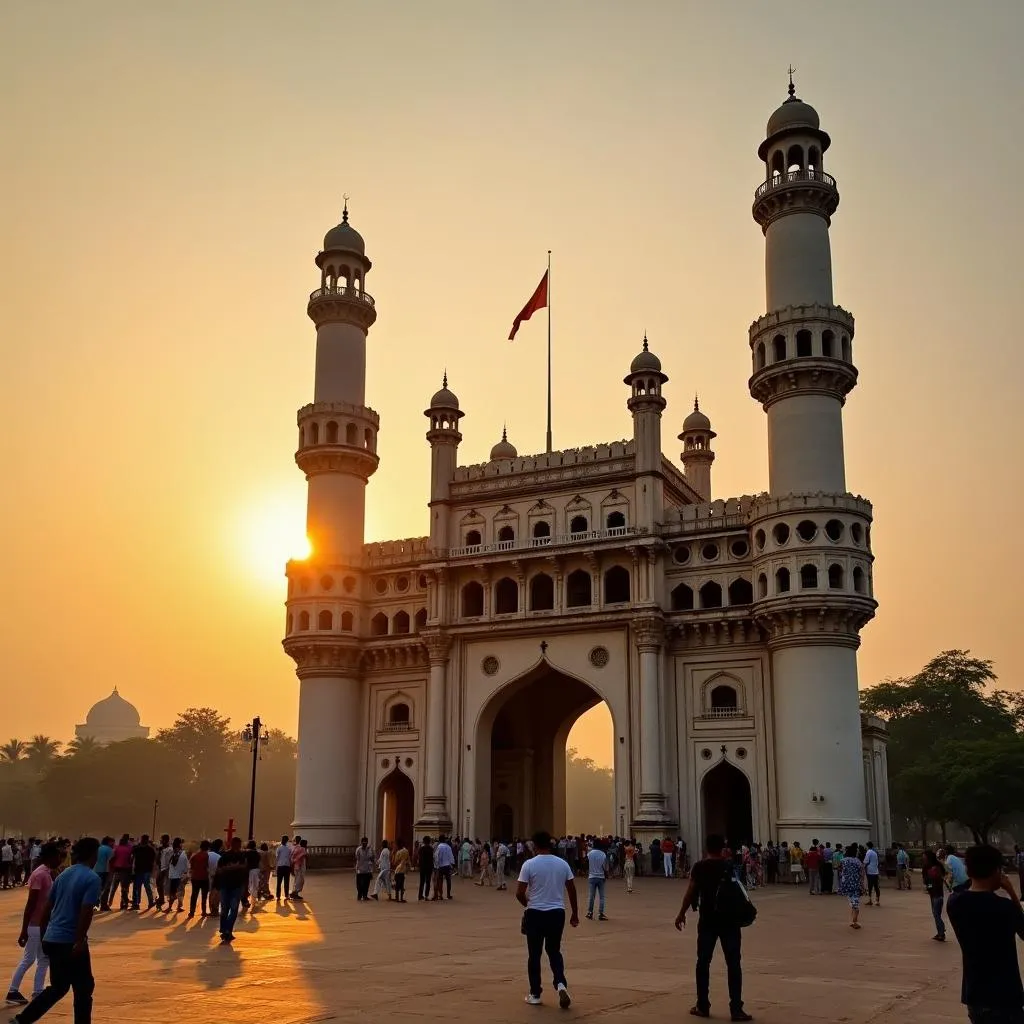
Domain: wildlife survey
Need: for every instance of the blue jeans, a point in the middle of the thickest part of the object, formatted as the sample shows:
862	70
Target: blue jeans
229	900
595	885
142	881
940	925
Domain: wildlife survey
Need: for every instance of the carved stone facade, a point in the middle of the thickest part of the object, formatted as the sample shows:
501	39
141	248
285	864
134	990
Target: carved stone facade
441	674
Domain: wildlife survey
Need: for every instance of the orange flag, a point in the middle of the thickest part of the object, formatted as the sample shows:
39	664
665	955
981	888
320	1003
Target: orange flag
539	300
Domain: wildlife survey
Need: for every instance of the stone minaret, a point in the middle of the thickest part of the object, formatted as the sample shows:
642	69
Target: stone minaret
443	436
647	403
697	455
338	453
809	536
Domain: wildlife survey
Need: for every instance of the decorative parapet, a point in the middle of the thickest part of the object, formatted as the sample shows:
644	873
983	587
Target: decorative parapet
549	460
815	311
765	506
364	412
723	514
397	552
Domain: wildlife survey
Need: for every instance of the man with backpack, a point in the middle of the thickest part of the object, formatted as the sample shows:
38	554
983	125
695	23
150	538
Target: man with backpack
723	908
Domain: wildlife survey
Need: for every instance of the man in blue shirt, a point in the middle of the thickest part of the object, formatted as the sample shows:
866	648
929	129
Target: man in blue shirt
65	929
106	851
444	861
957	870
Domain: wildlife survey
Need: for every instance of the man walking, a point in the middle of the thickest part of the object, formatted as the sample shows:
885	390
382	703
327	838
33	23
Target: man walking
986	926
444	861
713	926
544	881
283	860
812	861
103	858
143	861
39	884
871	870
65	929
199	872
426	865
364	869
826	868
163	863
232	874
597	872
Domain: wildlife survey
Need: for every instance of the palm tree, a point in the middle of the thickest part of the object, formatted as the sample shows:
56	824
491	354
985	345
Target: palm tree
12	751
81	745
40	751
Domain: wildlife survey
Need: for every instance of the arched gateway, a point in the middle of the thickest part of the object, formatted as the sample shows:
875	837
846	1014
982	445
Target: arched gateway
521	738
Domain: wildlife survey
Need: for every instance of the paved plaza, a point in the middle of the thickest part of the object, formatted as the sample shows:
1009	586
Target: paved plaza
332	959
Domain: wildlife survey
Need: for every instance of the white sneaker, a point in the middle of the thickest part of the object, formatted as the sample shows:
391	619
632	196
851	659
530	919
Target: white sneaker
564	999
533	1000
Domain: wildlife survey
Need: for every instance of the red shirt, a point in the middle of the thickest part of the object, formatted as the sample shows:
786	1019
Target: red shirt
812	859
667	846
199	865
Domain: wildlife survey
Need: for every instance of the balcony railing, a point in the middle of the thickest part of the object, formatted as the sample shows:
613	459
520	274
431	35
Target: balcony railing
719	713
341	292
533	543
397	727
778	180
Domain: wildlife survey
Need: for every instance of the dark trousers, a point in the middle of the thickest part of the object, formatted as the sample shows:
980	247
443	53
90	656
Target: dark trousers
199	885
544	933
995	1015
446	877
873	887
425	877
229	900
284	877
363	880
708	936
68	971
400	885
104	890
940	925
826	876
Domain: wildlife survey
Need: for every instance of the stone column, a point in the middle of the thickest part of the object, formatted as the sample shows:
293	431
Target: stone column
435	810
649	634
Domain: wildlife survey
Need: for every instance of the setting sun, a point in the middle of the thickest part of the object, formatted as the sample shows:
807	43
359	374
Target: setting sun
271	533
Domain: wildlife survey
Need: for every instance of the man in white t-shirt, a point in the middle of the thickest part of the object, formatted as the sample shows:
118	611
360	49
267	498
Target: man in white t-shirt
283	863
543	883
871	870
597	872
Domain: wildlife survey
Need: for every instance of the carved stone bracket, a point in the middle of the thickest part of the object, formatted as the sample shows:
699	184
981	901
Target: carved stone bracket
649	633
437	646
323	657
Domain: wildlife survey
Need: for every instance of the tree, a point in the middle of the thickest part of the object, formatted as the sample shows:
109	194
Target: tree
12	751
589	795
82	746
930	714
41	751
203	738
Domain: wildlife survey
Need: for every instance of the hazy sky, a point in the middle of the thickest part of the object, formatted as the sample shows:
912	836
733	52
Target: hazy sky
170	170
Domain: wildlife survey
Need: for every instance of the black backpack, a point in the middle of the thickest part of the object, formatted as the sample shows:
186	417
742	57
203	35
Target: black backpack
732	905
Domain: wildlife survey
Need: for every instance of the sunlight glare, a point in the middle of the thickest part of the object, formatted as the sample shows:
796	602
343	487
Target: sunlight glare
272	532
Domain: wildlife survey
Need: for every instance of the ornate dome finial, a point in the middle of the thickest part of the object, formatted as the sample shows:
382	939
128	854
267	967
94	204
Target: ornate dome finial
696	403
792	88
444	379
504	432
344	212
645	341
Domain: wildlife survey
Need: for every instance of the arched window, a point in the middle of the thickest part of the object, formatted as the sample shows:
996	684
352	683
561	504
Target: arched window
325	620
421	619
828	342
778	163
803	343
795	158
347	622
332	432
506	535
724	697
682	598
759	361
813	159
711	595
288	626
577	589
472	600
578	524
351	433
506	596
846	349
368	439
542	593
303	620
778	348
808	577
400	623
379	625
835	577
616	585
858	582
782	581
473	539
542	532
314	433
762	586
398	714
615	521
741	592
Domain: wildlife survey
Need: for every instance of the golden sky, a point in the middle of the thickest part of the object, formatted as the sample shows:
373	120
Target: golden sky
170	171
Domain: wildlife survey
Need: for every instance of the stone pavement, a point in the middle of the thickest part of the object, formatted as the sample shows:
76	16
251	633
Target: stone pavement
332	959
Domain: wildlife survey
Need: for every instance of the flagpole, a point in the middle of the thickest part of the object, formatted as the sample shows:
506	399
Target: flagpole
549	351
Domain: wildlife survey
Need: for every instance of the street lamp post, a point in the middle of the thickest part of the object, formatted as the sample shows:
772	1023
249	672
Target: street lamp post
255	734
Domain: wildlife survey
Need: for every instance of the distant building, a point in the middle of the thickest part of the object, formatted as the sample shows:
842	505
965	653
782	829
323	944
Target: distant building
112	719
